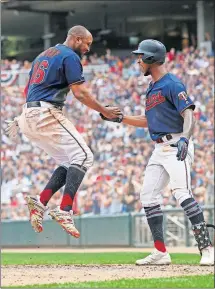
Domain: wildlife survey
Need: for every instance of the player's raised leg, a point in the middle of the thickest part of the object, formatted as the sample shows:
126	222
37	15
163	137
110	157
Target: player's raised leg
80	160
156	178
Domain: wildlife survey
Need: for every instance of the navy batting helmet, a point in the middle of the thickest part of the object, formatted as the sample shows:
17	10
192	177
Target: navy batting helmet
153	51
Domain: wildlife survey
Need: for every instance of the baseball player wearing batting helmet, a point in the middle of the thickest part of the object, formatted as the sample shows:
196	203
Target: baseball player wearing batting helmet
169	118
54	72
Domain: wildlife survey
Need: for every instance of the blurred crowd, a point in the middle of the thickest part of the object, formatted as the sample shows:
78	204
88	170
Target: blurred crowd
121	152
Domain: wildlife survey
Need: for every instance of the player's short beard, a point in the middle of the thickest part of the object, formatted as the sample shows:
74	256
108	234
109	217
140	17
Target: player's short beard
77	51
148	72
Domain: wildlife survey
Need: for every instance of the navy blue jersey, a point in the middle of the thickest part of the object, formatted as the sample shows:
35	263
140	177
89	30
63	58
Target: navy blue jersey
52	72
166	99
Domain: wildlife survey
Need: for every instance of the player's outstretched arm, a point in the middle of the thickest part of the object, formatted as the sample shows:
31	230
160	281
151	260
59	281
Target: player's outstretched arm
82	93
136	120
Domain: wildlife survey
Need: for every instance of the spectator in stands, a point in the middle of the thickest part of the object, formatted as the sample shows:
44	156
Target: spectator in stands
6	65
121	152
14	65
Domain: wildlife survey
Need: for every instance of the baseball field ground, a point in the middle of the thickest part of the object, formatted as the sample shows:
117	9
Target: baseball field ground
32	269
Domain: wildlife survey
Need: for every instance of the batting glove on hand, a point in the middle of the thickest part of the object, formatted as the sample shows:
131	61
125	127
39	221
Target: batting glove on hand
12	128
182	146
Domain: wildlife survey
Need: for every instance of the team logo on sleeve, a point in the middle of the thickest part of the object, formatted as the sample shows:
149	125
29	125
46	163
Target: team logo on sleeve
183	95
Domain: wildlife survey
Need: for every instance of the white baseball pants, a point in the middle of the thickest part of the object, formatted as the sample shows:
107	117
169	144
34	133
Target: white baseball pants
51	131
163	169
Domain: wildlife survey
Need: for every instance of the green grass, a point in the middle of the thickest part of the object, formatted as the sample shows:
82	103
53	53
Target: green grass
88	258
204	281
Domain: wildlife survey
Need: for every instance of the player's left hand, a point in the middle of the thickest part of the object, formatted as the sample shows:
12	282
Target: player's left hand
182	146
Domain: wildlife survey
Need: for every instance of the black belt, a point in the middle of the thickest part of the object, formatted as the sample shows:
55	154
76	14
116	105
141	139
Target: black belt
33	104
38	104
168	137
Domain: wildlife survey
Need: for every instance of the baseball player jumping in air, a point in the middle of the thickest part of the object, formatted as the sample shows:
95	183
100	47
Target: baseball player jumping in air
169	118
54	72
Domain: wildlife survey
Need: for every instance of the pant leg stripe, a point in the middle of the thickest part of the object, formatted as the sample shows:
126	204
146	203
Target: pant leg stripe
190	192
186	175
72	137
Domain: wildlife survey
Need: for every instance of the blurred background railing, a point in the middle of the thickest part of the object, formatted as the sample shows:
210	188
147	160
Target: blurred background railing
116	230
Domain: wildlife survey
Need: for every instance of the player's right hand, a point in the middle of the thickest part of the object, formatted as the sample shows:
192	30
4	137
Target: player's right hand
111	112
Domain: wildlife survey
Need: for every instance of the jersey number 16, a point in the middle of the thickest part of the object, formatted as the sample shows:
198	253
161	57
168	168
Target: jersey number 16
38	74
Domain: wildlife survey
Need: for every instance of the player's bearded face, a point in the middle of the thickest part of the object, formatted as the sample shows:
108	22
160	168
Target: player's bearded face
83	45
143	66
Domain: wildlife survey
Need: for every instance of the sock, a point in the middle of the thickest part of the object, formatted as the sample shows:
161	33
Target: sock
154	217
75	175
196	217
193	211
58	180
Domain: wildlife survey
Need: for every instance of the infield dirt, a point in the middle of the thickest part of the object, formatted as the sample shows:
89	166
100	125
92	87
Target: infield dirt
46	274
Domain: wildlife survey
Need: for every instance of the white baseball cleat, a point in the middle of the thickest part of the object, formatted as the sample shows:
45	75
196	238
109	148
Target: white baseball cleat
65	219
36	210
155	258
207	256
